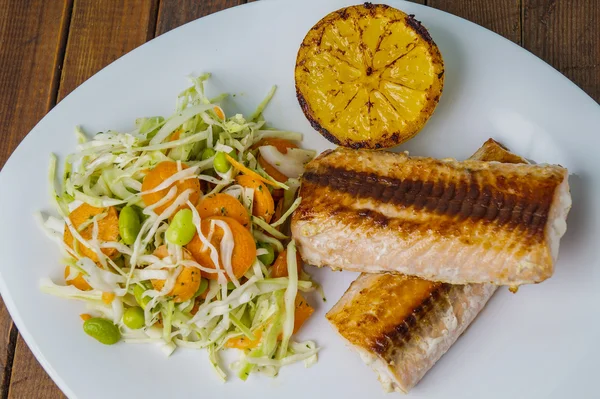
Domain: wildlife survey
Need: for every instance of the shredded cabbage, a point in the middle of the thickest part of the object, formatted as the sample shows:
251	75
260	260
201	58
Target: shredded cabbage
109	170
290	164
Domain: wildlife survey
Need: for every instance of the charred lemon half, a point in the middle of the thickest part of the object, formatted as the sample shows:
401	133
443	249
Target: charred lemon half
368	76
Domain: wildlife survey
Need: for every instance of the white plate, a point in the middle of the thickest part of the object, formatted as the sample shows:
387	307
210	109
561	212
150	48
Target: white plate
542	342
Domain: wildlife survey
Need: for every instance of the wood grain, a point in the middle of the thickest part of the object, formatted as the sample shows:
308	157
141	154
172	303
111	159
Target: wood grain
99	33
29	380
9	336
174	13
31	44
500	16
32	37
566	34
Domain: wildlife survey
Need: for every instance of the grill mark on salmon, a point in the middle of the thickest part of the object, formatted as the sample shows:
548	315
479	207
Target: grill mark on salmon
398	336
402	325
434	219
466	199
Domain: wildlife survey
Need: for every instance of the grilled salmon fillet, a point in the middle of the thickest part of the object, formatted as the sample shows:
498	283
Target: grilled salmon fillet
441	220
402	325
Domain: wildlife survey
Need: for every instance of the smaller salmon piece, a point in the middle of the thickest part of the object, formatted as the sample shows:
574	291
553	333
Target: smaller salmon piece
401	325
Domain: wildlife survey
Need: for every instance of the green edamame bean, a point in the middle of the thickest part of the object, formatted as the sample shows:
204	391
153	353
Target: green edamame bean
207	153
203	286
138	293
182	229
220	163
129	225
268	258
102	330
134	318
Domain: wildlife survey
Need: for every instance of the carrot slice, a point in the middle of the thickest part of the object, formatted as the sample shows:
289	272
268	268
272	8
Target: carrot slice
303	309
247	171
175	135
244	342
244	247
264	205
279	268
108	229
78	282
282	146
156	176
196	306
223	205
302	312
219	112
187	282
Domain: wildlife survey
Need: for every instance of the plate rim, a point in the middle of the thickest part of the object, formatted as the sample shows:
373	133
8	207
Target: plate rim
5	291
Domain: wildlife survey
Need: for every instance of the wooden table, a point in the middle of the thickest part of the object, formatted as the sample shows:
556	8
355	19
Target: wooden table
49	47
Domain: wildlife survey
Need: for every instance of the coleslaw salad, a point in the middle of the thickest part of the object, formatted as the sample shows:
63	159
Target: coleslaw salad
197	173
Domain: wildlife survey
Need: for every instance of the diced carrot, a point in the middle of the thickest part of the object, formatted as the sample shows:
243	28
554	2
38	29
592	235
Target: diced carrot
78	282
282	146
108	297
223	205
108	229
244	247
263	205
186	283
160	173
247	171
85	316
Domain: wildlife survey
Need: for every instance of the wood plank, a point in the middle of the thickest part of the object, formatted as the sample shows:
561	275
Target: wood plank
100	32
29	379
8	341
30	45
174	13
566	34
500	16
32	36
